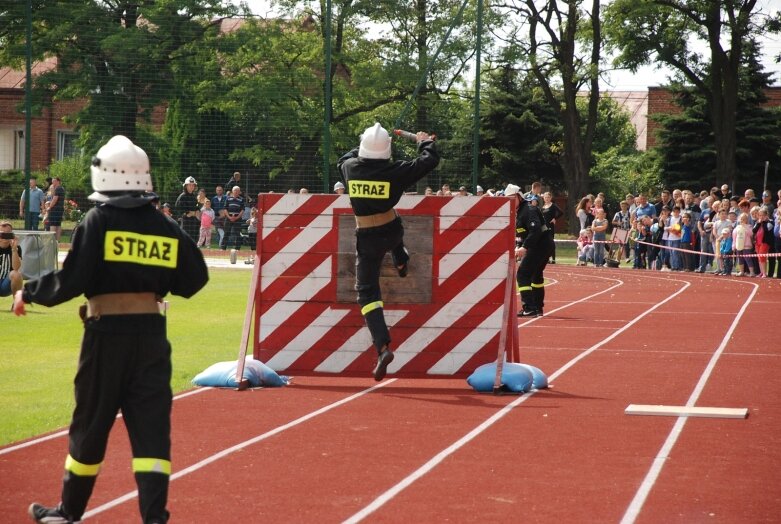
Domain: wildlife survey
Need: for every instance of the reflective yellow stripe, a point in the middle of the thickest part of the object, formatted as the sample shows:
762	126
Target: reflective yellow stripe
524	288
82	470
371	307
538	285
368	189
147	250
151	465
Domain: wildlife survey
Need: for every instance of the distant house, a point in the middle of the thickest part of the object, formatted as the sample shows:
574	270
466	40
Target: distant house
636	104
52	139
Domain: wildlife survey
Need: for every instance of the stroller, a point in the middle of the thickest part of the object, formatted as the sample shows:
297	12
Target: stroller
618	239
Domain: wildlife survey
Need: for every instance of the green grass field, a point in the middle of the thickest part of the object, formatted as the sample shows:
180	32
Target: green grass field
40	351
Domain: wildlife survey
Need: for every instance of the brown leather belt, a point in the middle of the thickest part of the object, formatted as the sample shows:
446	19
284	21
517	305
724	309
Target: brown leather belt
378	219
122	304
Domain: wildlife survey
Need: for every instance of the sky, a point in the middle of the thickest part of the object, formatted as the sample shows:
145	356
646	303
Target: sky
625	80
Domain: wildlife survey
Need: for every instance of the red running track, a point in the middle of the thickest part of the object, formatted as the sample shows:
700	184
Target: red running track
413	450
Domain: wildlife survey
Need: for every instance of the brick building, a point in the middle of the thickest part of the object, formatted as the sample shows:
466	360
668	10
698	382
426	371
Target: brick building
660	101
52	139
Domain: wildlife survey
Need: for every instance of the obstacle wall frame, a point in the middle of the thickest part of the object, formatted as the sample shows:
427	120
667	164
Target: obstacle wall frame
448	316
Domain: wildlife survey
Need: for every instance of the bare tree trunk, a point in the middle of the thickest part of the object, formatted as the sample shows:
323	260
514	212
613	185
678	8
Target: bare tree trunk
578	140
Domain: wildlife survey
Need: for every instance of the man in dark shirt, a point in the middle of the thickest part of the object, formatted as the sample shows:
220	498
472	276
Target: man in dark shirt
234	208
534	245
125	257
375	184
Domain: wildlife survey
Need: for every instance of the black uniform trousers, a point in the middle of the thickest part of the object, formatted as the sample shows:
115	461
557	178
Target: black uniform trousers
192	226
232	234
125	364
371	245
531	282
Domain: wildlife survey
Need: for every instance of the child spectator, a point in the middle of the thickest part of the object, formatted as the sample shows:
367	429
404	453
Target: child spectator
673	232
585	247
743	244
621	220
207	219
763	239
643	226
599	229
725	252
687	239
657	255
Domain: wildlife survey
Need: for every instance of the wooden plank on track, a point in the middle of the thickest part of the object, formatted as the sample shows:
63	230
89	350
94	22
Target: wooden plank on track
685	411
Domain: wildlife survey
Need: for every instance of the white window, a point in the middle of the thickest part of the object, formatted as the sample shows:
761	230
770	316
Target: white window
66	144
11	148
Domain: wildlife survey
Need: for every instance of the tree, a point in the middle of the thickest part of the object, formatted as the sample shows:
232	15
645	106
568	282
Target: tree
563	47
667	31
688	156
118	56
520	132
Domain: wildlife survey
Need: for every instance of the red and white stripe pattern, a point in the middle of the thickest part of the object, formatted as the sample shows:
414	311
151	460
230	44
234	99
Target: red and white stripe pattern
301	328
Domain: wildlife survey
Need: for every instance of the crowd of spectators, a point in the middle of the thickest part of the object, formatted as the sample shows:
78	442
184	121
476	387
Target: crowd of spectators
708	231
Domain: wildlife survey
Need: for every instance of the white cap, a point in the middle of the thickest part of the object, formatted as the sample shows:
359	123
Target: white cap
480	189
511	189
338	185
119	165
375	143
189	180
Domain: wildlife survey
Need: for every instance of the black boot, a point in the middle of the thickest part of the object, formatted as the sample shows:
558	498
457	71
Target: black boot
383	359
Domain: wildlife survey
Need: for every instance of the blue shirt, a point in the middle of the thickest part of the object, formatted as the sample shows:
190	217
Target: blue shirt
234	205
646	210
218	203
37	198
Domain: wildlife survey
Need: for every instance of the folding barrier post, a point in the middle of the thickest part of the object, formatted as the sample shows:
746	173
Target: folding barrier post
507	329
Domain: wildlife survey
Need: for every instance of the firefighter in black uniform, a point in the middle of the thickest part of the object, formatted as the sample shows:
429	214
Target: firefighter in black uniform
375	185
125	256
534	245
186	208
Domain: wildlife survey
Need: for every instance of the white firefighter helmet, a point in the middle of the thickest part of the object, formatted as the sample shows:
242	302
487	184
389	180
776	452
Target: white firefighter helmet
511	189
375	143
120	166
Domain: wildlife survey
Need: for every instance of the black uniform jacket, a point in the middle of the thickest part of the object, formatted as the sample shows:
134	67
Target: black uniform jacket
186	203
375	186
529	226
117	250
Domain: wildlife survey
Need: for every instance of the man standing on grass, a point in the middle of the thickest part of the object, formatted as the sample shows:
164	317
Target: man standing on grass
125	257
36	200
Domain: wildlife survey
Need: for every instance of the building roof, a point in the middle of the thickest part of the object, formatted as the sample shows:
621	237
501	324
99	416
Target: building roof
14	78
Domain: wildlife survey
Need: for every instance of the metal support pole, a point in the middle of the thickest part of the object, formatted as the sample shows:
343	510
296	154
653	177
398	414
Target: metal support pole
476	130
28	86
327	99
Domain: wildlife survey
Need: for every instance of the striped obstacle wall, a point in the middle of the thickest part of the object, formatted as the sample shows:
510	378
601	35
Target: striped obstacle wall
445	317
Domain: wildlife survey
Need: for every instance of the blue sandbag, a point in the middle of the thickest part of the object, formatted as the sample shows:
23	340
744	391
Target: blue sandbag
223	375
515	377
539	379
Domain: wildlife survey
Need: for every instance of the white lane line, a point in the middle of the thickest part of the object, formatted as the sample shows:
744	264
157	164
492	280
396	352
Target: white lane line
618	283
64	432
241	445
641	495
388	495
